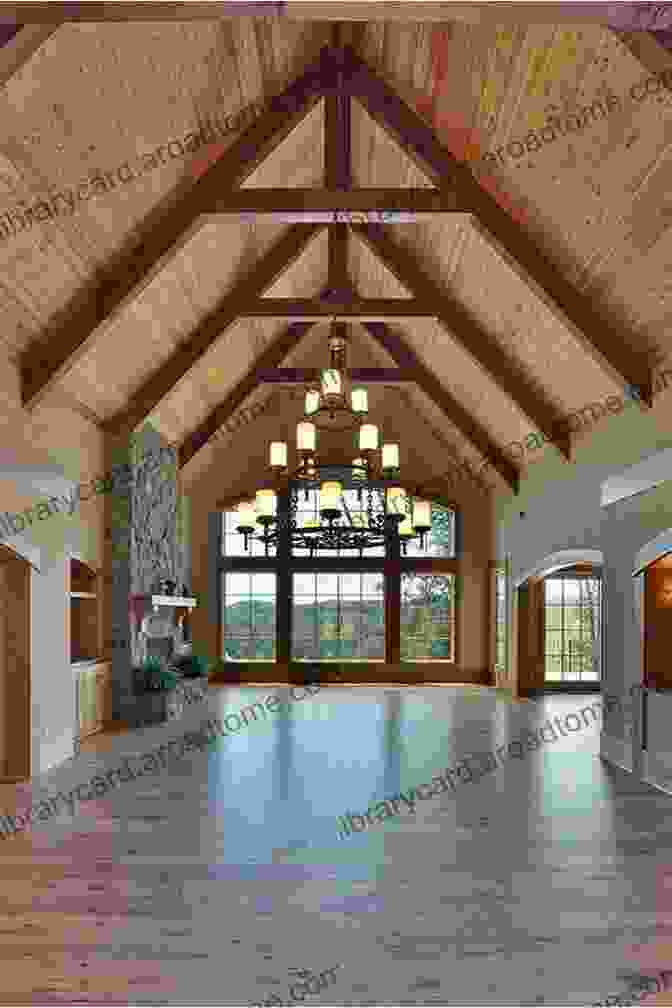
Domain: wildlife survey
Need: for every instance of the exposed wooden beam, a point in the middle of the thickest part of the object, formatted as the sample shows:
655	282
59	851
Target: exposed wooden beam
272	356
337	125
646	48
338	272
331	201
405	358
281	255
162	233
15	53
358	308
338	175
466	330
216	419
410	11
618	355
305	376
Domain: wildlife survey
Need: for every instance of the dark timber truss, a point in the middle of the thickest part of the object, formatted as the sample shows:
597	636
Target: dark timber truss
338	77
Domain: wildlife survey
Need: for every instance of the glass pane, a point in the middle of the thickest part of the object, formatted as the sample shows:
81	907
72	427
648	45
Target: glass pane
345	625
238	612
309	510
327	585
572	616
248	617
263	584
553	590
304	584
233	543
554	617
571	586
238	584
440	541
553	641
553	668
263	615
427	616
350	584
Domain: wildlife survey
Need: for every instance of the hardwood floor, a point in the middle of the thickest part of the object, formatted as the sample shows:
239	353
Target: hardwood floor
214	879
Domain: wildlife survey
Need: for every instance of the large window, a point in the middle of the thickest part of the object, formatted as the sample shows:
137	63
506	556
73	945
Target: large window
440	540
309	510
290	606
427	616
572	628
338	616
249	616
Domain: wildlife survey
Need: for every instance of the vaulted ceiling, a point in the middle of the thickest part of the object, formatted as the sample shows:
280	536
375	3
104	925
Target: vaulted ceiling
519	287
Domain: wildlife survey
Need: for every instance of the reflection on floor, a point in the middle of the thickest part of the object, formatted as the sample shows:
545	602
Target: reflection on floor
216	880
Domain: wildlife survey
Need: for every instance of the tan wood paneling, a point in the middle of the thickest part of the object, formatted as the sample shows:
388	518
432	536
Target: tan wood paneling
657	626
15	723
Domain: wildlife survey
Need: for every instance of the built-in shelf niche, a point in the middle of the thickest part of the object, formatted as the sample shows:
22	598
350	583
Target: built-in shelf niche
85	616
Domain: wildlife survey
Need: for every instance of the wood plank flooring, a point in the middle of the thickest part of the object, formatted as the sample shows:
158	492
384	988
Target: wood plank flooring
212	882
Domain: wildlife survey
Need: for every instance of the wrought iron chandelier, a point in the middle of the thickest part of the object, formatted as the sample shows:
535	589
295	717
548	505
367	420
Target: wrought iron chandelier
384	509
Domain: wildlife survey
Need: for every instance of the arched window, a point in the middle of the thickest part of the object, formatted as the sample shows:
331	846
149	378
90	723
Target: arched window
292	608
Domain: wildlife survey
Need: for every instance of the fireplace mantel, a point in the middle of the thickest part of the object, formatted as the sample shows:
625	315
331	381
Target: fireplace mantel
156	616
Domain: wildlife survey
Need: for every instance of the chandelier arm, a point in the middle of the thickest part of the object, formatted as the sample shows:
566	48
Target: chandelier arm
347	511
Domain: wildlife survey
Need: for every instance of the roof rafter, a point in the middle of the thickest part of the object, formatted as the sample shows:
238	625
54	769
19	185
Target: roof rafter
22	47
333	200
271	357
305	376
404	357
592	328
281	255
163	232
482	347
337	309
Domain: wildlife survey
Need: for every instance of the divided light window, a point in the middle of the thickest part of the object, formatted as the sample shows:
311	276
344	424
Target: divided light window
233	543
338	616
248	619
339	613
428	617
572	629
309	510
440	540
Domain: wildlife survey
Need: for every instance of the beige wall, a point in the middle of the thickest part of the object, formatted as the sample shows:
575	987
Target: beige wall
57	437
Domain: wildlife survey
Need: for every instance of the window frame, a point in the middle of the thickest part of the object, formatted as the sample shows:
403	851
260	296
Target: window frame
391	567
561	576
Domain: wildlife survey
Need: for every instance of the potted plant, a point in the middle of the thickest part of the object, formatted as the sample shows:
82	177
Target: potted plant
194	666
156	695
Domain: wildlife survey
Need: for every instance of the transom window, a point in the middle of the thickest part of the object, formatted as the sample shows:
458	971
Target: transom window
339	606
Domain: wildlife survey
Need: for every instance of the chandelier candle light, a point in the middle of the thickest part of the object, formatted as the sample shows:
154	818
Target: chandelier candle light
385	509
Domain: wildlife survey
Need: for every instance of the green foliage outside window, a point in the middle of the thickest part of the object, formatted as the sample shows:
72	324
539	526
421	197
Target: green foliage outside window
427	616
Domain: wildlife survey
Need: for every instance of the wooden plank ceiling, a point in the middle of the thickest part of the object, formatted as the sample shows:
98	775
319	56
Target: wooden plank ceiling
534	284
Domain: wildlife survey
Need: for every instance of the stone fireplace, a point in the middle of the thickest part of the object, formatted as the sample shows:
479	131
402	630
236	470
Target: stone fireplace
145	531
157	625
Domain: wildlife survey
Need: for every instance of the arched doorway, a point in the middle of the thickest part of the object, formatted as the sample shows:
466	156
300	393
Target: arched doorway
560	625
